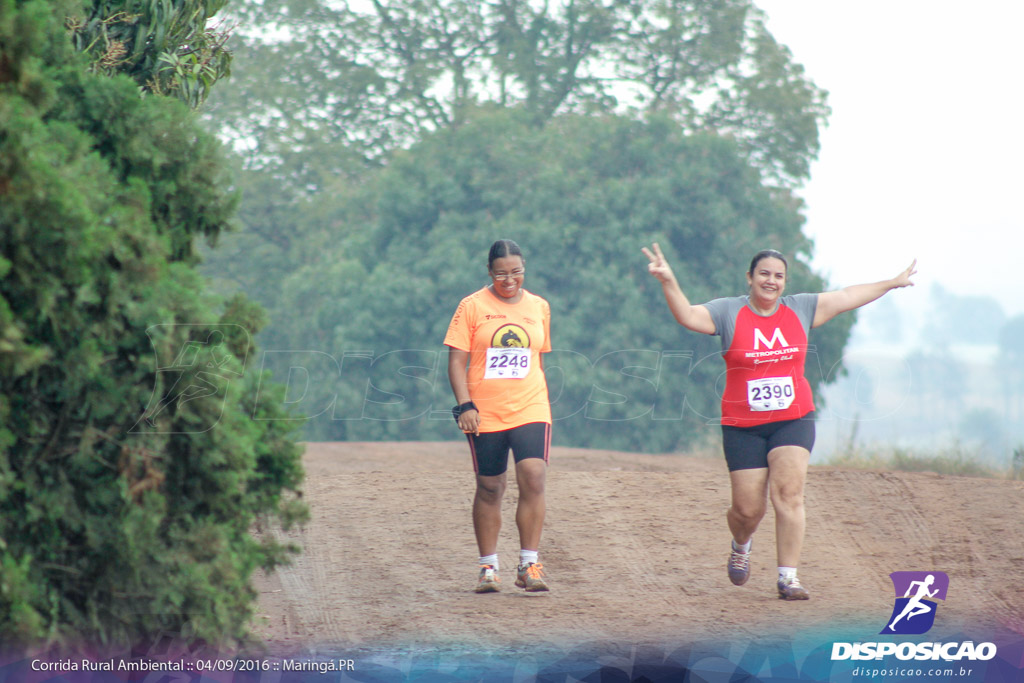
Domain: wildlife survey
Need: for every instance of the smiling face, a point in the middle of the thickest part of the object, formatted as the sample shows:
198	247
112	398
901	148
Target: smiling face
767	281
507	275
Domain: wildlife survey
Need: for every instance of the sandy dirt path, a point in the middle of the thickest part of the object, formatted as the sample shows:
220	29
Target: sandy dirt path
634	548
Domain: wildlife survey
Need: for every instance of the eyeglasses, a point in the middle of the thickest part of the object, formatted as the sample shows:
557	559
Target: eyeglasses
515	274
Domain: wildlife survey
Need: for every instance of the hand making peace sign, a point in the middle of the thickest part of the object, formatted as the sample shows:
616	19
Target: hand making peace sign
903	279
658	266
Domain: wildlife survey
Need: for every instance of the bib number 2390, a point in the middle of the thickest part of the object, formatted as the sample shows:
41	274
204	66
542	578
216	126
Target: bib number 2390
507	363
770	393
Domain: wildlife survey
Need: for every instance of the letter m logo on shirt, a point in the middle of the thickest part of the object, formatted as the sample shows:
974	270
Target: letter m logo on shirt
759	339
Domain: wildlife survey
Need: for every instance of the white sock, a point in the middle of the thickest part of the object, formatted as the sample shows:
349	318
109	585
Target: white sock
745	548
526	557
787	573
491	560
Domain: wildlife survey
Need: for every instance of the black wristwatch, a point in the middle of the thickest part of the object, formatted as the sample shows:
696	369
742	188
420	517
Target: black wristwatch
457	411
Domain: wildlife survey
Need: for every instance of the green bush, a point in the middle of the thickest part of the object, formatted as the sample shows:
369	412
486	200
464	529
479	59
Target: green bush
130	473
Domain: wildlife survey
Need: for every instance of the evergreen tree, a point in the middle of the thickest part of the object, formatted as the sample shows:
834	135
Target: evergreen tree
134	459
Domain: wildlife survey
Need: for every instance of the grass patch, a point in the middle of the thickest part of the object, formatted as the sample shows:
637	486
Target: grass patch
955	461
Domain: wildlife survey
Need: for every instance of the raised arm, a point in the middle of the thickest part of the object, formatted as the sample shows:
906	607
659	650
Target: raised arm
696	318
831	304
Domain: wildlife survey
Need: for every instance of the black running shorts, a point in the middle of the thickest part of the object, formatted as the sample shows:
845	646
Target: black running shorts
490	449
747	448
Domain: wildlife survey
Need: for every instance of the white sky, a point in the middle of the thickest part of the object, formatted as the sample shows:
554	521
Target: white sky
924	149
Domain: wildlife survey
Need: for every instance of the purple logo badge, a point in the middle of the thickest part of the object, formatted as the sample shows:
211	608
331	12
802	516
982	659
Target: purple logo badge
914	611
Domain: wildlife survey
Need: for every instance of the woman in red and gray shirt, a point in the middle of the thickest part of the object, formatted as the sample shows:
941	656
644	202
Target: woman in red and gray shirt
767	406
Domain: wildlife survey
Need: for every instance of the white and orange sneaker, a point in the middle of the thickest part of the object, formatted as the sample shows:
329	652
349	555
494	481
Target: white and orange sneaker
489	581
531	577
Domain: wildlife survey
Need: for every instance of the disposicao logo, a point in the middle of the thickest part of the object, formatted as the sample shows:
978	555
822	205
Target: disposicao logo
913	613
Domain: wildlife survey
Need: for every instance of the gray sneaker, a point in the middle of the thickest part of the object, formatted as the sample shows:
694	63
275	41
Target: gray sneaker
489	581
739	567
790	589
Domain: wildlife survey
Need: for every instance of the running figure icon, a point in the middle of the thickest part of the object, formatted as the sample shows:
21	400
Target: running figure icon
915	606
916	601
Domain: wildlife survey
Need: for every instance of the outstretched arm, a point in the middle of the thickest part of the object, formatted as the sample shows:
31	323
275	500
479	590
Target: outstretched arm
831	304
696	318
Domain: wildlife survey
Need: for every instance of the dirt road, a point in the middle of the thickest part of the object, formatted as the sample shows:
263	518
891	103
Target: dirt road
634	548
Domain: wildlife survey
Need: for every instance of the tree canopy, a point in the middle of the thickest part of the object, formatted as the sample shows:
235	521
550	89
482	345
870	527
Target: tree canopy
378	76
134	461
379	270
384	146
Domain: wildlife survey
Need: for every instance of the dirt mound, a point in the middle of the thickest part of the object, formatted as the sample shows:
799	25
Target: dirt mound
634	548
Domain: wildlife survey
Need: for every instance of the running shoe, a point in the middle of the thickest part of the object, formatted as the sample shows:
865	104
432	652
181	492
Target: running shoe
790	589
531	577
739	567
489	581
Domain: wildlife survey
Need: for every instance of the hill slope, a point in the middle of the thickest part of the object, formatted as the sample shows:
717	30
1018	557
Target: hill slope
634	548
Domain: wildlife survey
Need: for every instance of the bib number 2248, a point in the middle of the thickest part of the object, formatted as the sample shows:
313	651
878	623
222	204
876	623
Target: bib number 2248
507	363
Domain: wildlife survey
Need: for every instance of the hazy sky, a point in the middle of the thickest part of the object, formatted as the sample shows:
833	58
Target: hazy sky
924	149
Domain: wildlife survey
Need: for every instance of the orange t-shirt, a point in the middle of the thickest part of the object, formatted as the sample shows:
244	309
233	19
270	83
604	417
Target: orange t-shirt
506	380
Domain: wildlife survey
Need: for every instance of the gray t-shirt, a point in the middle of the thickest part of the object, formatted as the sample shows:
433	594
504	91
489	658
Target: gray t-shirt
723	313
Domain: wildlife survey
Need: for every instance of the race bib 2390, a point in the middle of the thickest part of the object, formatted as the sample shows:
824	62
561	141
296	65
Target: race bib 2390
770	393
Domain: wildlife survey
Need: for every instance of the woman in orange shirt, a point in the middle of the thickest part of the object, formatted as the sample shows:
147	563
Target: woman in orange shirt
494	365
